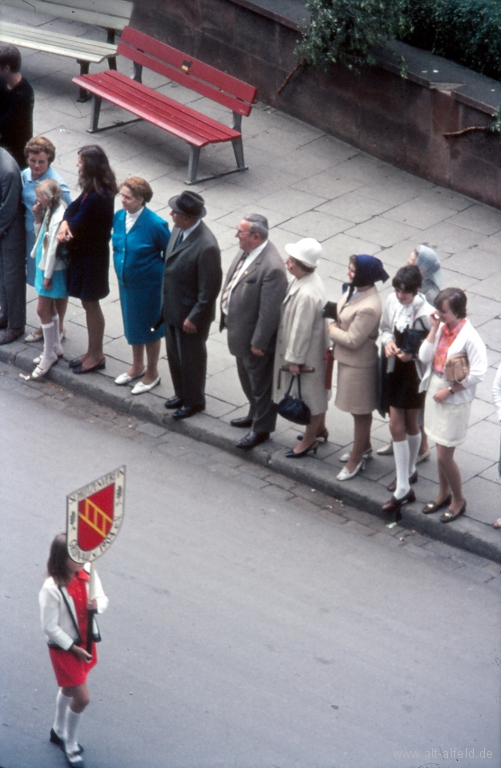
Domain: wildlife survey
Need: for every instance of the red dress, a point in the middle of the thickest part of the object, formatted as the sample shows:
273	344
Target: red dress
69	669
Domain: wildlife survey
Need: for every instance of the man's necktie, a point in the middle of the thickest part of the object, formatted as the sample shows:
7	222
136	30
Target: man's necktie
227	290
179	239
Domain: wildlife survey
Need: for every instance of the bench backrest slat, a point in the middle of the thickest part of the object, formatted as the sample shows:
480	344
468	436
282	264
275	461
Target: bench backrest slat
114	14
208	81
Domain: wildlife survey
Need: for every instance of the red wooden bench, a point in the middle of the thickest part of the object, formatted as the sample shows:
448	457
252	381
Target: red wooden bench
182	121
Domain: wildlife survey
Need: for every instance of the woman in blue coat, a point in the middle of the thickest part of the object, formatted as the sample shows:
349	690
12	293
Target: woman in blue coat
87	228
140	238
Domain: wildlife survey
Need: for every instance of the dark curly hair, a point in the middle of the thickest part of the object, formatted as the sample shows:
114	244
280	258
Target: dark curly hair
96	174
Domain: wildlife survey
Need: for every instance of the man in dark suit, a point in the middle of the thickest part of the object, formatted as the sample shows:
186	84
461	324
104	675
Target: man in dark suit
250	310
12	251
16	105
192	279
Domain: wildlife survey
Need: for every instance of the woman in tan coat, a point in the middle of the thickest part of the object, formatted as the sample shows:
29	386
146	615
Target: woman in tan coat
302	340
354	336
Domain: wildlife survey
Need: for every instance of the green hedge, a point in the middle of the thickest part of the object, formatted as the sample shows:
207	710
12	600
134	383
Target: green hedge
465	31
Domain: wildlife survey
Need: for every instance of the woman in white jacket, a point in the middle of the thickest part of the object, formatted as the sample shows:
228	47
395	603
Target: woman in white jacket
50	272
64	603
405	322
448	403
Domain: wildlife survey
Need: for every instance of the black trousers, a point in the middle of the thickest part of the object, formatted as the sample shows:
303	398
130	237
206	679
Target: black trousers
256	377
187	357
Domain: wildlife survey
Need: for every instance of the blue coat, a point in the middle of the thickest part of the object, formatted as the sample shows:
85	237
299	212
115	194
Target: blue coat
138	257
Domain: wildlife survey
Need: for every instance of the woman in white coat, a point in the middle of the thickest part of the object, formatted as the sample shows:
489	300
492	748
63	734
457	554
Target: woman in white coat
50	272
64	603
448	403
302	341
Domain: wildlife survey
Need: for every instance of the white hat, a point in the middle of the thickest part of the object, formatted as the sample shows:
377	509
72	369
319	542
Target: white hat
308	251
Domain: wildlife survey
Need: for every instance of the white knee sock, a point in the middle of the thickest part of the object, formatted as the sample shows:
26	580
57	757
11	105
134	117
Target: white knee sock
414	442
401	453
62	703
48	345
71	727
57	341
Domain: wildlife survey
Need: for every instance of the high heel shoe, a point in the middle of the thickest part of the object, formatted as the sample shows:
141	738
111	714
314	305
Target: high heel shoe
345	473
324	435
395	505
366	455
313	448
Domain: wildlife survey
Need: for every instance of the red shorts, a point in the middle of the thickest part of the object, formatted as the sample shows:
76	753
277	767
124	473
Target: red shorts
69	669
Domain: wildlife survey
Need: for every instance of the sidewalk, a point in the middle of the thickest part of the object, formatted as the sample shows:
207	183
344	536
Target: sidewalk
308	184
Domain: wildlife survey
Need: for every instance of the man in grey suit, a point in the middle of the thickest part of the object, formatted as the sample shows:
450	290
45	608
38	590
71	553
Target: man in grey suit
12	251
192	279
250	310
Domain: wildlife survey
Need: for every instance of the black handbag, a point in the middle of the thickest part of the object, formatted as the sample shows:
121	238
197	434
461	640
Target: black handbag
413	338
64	252
294	408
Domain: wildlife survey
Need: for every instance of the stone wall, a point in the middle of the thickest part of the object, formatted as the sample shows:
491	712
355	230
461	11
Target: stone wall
401	120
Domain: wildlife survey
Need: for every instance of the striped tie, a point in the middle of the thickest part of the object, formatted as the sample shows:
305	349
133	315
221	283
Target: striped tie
227	290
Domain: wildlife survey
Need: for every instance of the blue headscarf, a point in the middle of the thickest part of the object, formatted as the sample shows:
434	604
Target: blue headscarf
368	270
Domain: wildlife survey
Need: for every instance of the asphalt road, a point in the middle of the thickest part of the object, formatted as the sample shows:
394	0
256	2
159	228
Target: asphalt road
243	629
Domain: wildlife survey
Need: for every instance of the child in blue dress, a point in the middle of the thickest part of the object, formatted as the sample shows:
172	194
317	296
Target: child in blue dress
50	272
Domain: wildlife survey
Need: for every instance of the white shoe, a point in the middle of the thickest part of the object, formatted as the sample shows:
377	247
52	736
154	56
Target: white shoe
124	378
366	455
425	456
141	388
74	758
40	372
345	474
385	450
37	359
36	335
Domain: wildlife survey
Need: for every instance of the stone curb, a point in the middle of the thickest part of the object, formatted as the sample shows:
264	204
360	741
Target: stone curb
360	492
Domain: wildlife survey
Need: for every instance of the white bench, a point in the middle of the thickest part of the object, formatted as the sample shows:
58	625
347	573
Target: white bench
111	14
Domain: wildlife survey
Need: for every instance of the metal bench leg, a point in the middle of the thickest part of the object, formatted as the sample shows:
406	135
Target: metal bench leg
112	61
94	115
138	73
193	165
84	70
238	149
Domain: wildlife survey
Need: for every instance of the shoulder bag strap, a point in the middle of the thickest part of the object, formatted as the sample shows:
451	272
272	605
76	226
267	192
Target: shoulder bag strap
78	641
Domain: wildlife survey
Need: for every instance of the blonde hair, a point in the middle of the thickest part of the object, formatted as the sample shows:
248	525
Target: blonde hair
139	188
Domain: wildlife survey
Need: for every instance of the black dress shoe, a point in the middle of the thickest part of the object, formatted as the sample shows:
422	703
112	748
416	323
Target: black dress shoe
252	439
186	411
395	505
97	367
10	335
245	422
174	402
55	739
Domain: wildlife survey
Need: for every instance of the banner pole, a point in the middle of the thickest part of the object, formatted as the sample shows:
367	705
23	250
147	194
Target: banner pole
90	611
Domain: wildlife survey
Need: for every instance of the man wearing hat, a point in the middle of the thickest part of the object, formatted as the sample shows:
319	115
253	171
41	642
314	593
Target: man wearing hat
250	310
192	279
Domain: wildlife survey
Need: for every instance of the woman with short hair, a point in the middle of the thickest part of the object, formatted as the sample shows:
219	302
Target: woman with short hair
448	403
87	229
140	239
405	323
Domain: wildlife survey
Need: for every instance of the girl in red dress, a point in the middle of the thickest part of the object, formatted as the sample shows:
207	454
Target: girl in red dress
64	601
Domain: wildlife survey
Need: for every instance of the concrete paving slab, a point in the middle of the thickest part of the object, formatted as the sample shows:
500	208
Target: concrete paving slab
308	184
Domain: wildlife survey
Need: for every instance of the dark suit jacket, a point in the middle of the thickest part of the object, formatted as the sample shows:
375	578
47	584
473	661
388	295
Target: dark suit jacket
254	308
192	278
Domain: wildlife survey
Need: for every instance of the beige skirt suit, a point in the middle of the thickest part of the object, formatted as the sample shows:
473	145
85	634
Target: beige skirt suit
355	351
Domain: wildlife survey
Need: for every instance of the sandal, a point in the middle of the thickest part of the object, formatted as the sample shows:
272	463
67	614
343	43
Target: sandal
449	515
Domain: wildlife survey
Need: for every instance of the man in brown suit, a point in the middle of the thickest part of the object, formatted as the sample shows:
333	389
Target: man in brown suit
250	311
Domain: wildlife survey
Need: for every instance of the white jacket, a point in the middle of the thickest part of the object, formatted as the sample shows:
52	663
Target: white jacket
421	311
56	621
49	263
467	341
496	392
